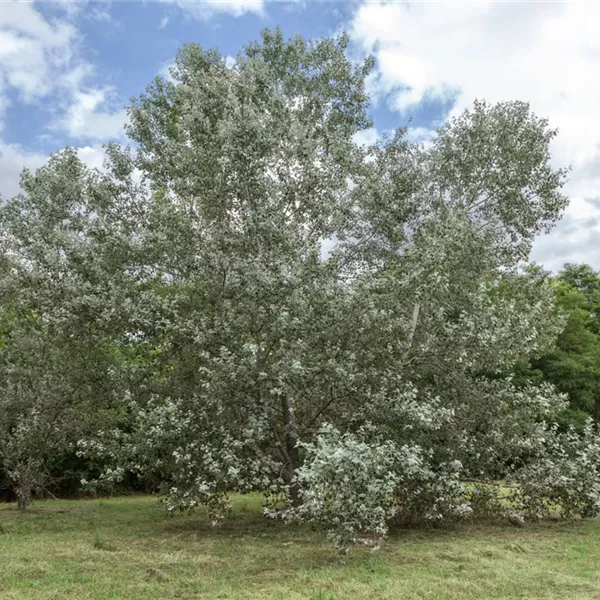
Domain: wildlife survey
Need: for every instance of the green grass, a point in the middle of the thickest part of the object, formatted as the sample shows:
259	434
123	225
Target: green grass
126	548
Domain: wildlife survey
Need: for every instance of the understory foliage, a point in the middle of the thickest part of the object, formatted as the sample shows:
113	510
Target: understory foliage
563	478
573	364
354	488
251	300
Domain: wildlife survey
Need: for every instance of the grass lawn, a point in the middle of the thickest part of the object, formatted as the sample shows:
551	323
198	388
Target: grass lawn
126	548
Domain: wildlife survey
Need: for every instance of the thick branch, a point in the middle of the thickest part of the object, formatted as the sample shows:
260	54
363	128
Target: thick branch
413	328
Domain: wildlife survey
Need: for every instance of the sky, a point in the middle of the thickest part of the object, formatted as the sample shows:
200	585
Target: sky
69	69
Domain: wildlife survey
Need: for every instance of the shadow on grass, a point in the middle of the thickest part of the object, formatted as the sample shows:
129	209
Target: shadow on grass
145	518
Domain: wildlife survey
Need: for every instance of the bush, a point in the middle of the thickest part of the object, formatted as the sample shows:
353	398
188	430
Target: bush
565	478
353	487
348	487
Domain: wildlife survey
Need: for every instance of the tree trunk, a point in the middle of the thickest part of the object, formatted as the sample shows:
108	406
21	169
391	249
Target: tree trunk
26	476
291	447
23	497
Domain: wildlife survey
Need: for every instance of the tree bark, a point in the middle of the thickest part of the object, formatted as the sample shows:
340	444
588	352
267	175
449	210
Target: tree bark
291	447
23	497
413	328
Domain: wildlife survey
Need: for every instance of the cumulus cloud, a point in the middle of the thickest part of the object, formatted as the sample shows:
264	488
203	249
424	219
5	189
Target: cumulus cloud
366	137
547	54
89	117
92	156
33	51
208	9
422	135
575	239
13	159
41	62
165	70
40	59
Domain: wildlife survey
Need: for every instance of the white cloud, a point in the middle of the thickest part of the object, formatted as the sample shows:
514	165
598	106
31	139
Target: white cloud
70	9
163	22
208	9
40	60
92	10
365	137
422	135
547	54
13	159
165	70
100	13
33	52
295	6
89	116
92	156
575	238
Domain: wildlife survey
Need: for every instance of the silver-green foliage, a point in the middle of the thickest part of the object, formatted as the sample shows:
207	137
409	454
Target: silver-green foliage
353	485
563	478
65	241
269	277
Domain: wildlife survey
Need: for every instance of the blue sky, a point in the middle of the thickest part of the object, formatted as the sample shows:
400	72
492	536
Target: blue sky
128	44
68	69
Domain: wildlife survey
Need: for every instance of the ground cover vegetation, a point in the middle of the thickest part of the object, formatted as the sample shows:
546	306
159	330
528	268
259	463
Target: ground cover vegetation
125	548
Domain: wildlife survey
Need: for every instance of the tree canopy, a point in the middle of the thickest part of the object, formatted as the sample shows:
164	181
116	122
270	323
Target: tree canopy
249	300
